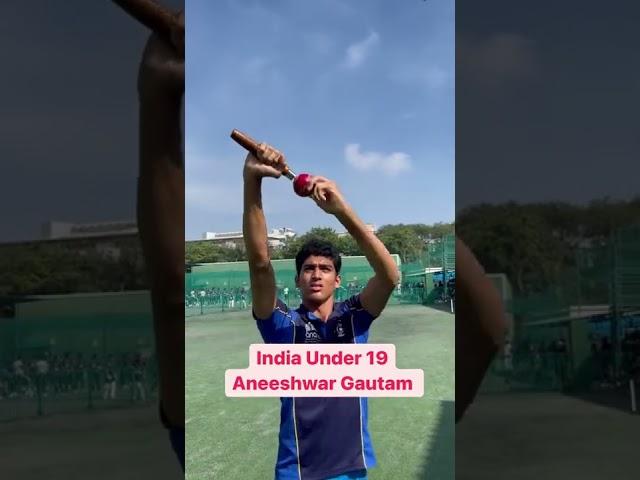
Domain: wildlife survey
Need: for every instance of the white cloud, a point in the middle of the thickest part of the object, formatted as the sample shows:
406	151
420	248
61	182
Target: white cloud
391	164
358	52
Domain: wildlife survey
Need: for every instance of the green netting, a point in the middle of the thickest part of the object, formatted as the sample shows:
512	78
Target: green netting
603	274
233	275
540	363
226	285
440	252
84	323
595	299
627	268
98	334
56	353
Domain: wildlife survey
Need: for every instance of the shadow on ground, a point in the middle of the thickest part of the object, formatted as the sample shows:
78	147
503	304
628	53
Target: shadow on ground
439	458
618	398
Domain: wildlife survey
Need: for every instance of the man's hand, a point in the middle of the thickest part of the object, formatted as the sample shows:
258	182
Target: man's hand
161	74
327	195
269	162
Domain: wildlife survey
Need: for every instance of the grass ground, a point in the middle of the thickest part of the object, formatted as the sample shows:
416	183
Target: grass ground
100	445
237	437
547	435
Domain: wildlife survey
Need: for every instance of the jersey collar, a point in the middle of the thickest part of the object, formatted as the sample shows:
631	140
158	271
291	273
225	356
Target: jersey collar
309	316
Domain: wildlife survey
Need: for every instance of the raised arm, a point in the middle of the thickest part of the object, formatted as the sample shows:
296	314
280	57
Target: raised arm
481	325
160	212
268	163
375	295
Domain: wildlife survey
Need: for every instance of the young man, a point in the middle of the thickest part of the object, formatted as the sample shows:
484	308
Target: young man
109	387
320	438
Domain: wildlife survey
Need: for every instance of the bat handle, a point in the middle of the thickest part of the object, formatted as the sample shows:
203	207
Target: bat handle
245	141
251	146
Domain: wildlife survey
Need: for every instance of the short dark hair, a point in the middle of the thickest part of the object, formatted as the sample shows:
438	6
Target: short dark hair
320	248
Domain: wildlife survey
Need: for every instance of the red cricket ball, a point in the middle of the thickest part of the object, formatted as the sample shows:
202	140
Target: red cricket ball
300	184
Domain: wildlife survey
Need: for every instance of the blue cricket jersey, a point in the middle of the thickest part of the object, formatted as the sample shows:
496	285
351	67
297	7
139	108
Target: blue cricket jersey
321	437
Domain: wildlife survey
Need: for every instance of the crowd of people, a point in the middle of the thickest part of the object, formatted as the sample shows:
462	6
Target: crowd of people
224	298
537	363
239	298
443	292
110	376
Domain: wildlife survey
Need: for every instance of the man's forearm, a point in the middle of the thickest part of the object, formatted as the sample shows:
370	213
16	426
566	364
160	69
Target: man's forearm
377	254
481	325
160	133
254	224
474	287
160	201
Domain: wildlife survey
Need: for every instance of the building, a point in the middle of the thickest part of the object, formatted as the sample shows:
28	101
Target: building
276	238
106	257
109	239
62	230
225	239
370	226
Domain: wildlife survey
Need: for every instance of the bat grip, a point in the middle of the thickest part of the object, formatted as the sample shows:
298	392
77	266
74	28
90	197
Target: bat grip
251	146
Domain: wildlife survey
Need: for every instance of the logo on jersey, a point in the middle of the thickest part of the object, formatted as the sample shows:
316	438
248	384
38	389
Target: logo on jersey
340	330
310	333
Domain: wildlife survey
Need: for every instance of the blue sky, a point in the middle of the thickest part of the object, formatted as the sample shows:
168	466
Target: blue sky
359	92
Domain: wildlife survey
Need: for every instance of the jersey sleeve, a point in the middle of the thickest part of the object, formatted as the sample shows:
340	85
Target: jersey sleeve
278	328
361	318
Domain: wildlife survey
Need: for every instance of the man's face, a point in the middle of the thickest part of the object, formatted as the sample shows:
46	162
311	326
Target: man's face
317	279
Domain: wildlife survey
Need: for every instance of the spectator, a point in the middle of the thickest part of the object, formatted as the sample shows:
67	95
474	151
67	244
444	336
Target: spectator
109	389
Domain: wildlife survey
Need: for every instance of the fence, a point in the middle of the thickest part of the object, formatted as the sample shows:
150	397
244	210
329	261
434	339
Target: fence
70	353
582	332
220	287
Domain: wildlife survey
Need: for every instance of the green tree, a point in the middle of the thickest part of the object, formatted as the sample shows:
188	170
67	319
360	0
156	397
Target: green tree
403	240
435	231
348	246
517	240
204	252
234	254
294	244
